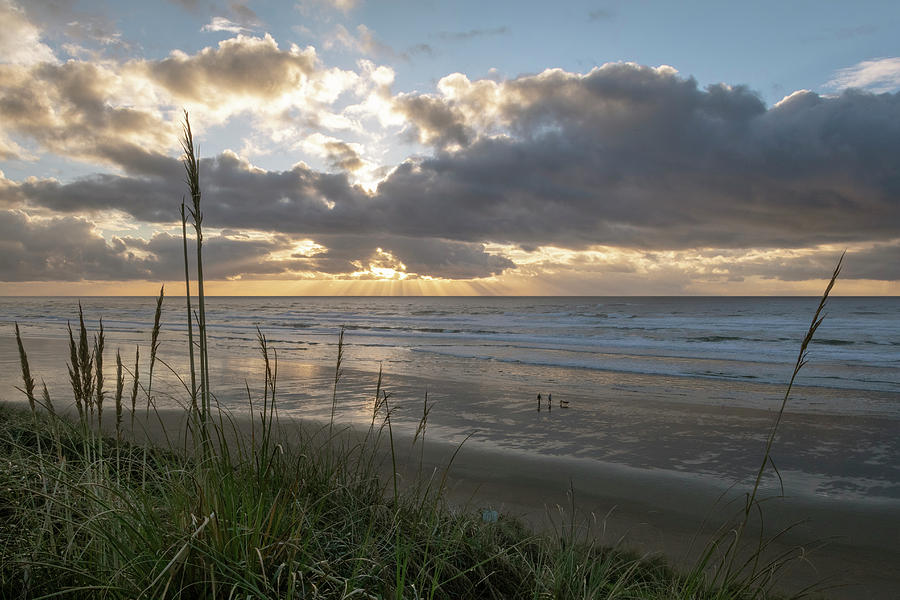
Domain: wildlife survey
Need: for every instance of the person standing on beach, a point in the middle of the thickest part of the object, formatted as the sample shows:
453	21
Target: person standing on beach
549	401
539	403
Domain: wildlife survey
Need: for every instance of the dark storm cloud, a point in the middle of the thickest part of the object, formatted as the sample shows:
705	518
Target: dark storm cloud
633	156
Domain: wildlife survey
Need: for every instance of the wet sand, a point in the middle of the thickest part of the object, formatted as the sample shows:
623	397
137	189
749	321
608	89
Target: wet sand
849	544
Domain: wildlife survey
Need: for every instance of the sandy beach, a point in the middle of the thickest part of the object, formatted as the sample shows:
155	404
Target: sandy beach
851	548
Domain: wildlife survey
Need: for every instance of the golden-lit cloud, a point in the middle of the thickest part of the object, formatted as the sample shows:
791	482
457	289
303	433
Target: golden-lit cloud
20	40
380	265
82	110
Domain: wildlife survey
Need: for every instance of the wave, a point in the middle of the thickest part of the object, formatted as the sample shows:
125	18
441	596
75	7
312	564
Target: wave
669	366
828	342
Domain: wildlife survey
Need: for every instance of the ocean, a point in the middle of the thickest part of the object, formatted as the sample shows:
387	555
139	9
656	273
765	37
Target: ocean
677	385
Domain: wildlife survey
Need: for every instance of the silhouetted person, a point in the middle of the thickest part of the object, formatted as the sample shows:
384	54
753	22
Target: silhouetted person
549	401
539	403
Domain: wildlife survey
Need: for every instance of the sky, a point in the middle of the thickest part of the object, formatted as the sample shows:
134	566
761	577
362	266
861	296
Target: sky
452	148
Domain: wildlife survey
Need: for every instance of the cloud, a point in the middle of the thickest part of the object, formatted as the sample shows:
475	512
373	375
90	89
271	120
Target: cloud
224	257
419	50
244	15
730	271
365	42
72	109
20	40
345	6
625	156
241	19
875	262
68	22
879	75
61	249
223	24
188	5
601	14
234	13
283	91
641	157
125	113
435	121
292	201
339	154
69	249
343	156
462	36
247	66
410	257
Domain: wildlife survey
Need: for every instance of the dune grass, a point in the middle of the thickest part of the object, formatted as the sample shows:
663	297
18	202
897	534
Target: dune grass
228	514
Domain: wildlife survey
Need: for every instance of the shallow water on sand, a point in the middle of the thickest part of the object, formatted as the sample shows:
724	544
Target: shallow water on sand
683	386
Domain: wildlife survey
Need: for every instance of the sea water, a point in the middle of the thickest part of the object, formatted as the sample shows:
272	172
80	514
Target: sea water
681	384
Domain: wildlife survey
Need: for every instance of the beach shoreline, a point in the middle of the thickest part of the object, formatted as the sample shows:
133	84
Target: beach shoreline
645	511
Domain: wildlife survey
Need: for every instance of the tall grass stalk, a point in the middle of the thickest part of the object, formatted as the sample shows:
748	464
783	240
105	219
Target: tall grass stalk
85	366
81	375
190	325
27	379
192	171
338	372
135	381
120	389
98	375
47	402
74	376
154	347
